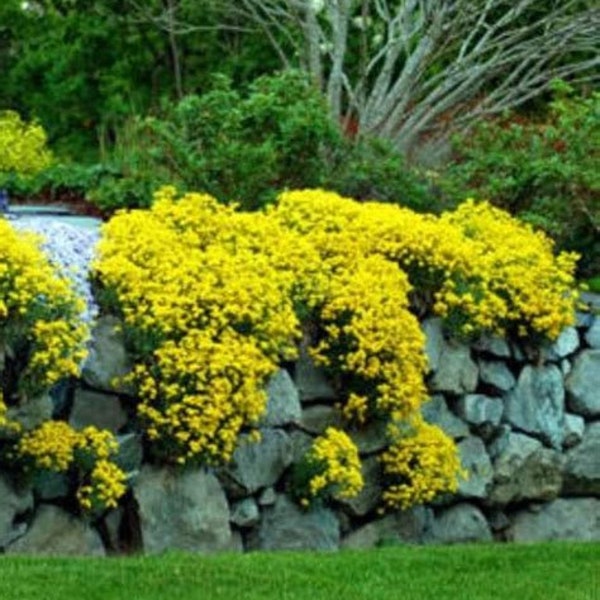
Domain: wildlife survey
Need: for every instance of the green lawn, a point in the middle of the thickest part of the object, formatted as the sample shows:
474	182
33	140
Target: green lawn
561	571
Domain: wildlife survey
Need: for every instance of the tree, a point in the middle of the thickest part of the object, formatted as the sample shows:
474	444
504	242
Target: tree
404	69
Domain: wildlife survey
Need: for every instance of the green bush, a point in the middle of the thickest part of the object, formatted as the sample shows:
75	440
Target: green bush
544	172
58	183
236	147
248	147
371	169
23	148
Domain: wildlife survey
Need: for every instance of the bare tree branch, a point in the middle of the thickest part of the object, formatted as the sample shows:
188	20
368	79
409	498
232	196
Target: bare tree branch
423	63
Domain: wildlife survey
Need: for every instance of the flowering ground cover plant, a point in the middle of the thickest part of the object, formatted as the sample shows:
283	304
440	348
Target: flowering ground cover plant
85	455
331	468
44	328
213	300
42	339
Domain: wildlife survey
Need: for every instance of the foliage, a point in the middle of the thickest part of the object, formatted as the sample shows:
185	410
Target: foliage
207	328
420	463
60	182
41	338
232	146
42	341
86	455
544	172
213	299
22	146
478	267
368	168
330	468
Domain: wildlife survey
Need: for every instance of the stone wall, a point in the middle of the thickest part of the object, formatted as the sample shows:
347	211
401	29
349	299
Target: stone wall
527	423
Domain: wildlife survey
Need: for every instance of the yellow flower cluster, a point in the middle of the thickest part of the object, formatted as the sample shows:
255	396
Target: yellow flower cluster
198	392
521	285
477	266
420	463
212	299
374	340
38	315
8	427
107	483
56	446
22	145
207	298
334	467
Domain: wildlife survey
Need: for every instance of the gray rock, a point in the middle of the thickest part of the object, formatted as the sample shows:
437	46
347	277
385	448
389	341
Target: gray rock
14	501
500	441
537	404
565	367
574	428
108	361
370	438
112	527
317	418
33	412
183	510
50	485
283	406
245	513
592	335
476	461
566	343
525	470
286	527
563	519
56	532
237	543
130	453
368	499
496	373
460	524
480	411
267	497
436	412
583	384
434	341
261	464
404	527
311	382
493	345
456	373
582	468
301	443
101	410
584	320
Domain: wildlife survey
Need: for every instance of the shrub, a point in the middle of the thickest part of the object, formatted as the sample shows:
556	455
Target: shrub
372	169
213	300
208	315
248	146
22	146
481	269
41	337
84	455
544	172
331	468
420	463
234	146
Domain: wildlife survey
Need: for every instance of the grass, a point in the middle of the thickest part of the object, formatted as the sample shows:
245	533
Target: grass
561	571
